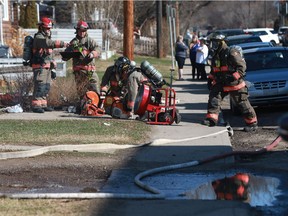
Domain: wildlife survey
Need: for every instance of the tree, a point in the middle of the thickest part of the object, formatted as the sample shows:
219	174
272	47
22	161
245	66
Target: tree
31	15
28	15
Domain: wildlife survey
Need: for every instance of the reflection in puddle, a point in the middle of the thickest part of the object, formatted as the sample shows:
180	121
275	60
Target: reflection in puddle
256	190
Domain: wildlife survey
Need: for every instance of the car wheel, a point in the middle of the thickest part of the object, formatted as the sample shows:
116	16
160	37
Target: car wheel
234	109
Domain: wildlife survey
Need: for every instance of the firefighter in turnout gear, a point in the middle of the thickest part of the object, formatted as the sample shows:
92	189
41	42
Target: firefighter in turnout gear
227	77
44	67
84	67
123	80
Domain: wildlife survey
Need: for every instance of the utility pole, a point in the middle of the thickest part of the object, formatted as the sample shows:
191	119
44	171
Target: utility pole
128	40
1	24
159	29
177	18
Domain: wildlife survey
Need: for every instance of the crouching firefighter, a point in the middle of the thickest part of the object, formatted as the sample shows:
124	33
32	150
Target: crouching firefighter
227	77
43	65
121	80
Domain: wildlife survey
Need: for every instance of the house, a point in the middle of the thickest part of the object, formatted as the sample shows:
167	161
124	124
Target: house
9	11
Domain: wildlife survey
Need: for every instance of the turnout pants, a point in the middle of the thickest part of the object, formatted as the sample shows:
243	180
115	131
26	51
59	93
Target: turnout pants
86	81
41	80
240	97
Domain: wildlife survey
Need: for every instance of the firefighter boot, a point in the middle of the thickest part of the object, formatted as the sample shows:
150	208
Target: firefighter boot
251	127
209	122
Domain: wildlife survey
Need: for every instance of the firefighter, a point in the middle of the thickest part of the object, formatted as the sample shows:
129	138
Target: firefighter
44	67
122	80
84	69
227	77
232	188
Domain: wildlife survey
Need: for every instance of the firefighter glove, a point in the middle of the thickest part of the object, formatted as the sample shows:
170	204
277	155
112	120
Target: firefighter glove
53	74
102	93
230	78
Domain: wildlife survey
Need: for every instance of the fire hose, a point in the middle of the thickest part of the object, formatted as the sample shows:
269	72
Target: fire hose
156	194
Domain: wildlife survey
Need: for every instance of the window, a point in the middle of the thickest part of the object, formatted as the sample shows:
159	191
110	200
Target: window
5	10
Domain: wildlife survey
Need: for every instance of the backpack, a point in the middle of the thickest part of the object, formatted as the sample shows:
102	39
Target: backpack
27	50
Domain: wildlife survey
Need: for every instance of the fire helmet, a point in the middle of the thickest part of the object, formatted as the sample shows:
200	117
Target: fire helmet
82	25
122	65
45	22
216	42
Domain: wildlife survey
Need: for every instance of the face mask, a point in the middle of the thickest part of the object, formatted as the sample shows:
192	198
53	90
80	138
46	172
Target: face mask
214	45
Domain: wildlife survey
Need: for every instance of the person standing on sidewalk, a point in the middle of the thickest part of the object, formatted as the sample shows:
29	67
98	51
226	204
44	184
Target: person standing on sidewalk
201	59
180	55
227	78
44	67
192	54
84	67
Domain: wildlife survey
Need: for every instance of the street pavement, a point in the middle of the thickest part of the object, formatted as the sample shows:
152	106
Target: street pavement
172	144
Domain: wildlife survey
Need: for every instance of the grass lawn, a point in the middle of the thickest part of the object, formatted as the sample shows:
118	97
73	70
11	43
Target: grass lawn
53	132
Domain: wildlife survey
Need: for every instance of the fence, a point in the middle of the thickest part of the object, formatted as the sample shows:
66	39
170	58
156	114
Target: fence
68	34
142	46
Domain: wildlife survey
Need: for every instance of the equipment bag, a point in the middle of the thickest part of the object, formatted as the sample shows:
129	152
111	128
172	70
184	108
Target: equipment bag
27	51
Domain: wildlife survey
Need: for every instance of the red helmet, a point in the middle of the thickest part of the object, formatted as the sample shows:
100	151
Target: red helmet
82	25
46	22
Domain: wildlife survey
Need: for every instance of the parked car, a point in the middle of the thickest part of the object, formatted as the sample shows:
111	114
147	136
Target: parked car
5	51
266	34
285	38
226	32
281	32
255	45
266	76
245	38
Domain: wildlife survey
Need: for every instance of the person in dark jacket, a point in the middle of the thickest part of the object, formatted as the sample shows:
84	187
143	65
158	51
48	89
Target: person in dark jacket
227	77
43	65
180	55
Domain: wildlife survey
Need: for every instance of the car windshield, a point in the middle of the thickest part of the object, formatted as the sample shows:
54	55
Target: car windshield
266	60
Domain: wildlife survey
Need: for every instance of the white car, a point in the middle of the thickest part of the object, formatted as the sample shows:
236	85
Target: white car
281	32
266	34
266	76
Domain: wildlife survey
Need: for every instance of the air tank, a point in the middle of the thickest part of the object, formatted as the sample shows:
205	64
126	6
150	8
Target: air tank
152	74
27	50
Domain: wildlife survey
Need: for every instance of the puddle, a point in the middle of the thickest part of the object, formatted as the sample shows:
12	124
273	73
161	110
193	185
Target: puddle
261	190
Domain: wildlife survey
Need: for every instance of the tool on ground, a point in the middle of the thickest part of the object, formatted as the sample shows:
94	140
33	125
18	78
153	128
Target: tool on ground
156	103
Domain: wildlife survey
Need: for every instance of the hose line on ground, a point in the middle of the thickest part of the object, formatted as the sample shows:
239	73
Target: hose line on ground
99	147
150	172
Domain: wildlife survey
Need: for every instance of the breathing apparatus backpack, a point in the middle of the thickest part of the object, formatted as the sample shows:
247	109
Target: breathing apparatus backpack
27	51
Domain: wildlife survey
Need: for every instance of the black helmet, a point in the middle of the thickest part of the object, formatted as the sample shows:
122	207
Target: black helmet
216	42
122	65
